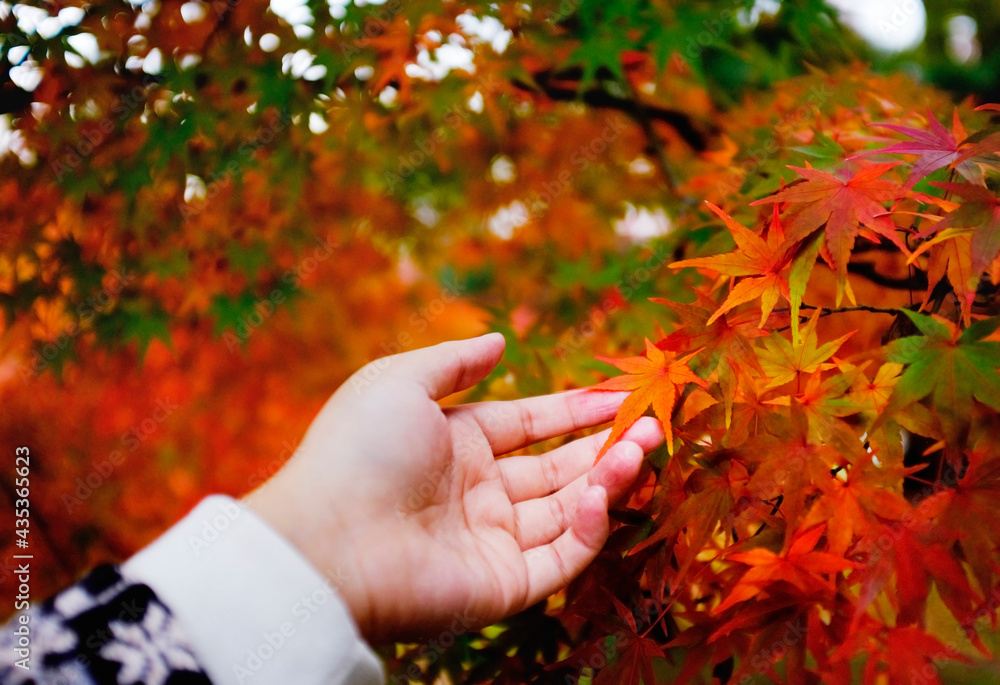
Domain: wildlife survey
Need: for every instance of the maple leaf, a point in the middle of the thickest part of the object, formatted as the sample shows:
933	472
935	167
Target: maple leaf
654	380
980	212
824	402
937	148
918	562
969	510
859	507
728	344
951	255
872	396
910	651
950	366
845	207
801	567
632	662
710	496
395	48
760	262
797	475
783	360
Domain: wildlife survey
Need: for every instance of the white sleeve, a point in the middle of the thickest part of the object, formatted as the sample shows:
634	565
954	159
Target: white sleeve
255	610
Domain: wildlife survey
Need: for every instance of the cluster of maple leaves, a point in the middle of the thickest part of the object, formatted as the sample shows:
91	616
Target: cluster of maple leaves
782	502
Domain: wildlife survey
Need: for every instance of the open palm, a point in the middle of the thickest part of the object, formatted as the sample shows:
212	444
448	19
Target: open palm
404	504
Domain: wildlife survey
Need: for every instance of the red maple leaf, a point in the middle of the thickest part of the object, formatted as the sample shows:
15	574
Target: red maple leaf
653	379
728	343
634	654
801	567
937	149
845	207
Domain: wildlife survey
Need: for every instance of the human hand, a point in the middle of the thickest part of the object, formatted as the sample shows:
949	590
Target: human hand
404	500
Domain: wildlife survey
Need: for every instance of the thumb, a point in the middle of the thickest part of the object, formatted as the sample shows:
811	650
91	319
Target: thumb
451	366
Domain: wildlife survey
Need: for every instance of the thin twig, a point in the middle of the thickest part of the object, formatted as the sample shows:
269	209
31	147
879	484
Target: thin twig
826	311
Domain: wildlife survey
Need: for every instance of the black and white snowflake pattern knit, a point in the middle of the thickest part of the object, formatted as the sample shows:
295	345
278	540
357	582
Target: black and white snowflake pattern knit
104	629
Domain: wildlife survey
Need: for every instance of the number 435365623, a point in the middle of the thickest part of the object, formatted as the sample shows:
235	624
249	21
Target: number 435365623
21	468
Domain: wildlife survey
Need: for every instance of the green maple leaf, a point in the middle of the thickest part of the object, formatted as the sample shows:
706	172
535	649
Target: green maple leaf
953	367
599	51
144	326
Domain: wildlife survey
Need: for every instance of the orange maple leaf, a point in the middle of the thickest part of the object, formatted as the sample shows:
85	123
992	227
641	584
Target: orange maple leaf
873	395
762	261
653	379
802	567
845	207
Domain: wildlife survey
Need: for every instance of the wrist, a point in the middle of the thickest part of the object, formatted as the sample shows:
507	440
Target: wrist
322	540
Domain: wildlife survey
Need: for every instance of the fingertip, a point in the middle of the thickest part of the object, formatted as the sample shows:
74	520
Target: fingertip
593	504
630	456
623	456
460	363
591	524
491	348
596	495
619	469
493	338
647	433
596	406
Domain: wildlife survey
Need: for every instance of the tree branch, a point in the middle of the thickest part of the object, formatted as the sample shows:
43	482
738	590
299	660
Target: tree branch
918	281
826	311
655	142
564	86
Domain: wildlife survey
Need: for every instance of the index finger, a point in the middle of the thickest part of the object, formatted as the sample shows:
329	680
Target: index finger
515	424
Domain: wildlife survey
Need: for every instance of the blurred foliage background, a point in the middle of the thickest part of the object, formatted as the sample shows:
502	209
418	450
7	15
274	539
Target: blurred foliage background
214	211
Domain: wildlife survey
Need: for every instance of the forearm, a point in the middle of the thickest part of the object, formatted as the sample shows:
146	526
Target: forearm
219	598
